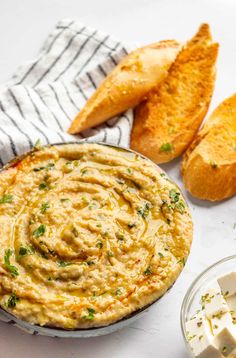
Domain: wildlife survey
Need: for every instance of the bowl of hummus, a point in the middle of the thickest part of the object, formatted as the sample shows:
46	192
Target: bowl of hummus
91	235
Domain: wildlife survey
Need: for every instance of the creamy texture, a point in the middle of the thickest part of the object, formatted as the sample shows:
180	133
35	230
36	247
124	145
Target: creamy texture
89	234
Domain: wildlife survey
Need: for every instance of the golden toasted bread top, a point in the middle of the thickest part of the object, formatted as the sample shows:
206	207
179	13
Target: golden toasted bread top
174	111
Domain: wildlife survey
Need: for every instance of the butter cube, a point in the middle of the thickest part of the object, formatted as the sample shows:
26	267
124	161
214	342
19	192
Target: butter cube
220	322
225	341
227	284
214	303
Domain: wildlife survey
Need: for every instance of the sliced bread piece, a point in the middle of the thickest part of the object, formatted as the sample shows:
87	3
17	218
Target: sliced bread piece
167	121
209	165
128	84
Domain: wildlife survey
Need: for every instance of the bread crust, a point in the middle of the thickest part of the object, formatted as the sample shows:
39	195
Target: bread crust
128	84
166	122
209	165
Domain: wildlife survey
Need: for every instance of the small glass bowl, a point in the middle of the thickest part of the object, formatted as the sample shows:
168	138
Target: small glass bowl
191	302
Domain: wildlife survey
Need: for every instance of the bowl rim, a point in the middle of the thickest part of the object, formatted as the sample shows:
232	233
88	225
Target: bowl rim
19	157
93	331
188	297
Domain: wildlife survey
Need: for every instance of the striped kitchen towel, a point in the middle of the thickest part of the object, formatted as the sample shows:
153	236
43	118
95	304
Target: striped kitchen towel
43	96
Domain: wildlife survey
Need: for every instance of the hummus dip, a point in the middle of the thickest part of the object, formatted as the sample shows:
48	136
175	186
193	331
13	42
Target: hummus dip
89	234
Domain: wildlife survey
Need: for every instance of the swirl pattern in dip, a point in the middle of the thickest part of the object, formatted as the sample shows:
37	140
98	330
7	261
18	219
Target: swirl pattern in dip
89	234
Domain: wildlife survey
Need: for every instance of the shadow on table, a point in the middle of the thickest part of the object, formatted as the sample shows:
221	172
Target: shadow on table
119	344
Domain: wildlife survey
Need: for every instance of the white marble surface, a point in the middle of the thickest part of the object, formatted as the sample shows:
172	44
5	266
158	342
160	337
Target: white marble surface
23	26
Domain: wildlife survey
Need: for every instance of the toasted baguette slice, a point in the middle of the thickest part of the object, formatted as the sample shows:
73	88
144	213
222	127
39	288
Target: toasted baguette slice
209	165
127	85
166	122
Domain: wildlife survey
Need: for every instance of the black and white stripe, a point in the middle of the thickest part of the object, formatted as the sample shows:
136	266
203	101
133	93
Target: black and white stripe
77	55
58	58
44	96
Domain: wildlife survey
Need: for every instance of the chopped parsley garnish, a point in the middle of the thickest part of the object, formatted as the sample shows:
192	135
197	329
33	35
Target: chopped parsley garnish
11	268
175	203
91	313
83	171
38	169
144	211
37	144
110	254
40	231
25	251
120	236
93	205
217	315
174	195
206	298
63	264
181	261
63	200
130	171
118	292
43	186
12	301
180	207
160	254
6	198
68	166
44	207
85	201
189	338
166	147
99	245
148	271
162	174
48	167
